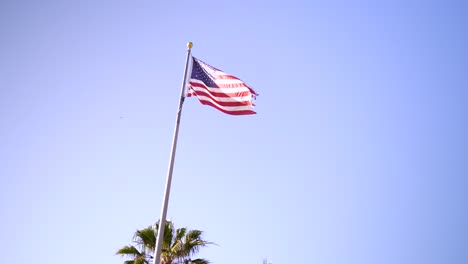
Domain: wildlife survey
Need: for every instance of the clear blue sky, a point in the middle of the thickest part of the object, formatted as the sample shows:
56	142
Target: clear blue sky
358	153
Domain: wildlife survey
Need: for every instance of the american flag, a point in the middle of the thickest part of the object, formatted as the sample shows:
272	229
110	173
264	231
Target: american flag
220	90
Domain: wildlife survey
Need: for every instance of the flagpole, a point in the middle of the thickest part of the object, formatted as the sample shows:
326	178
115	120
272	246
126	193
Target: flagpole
162	219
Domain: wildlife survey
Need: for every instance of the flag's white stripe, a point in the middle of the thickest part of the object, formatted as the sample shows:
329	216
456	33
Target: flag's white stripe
228	82
222	90
224	99
227	108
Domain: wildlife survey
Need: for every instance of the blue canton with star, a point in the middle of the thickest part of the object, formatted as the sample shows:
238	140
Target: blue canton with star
201	74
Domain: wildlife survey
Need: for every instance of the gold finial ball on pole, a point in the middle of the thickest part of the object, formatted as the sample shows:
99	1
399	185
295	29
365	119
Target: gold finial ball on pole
189	45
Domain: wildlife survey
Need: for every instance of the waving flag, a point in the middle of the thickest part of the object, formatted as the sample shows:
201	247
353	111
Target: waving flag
220	90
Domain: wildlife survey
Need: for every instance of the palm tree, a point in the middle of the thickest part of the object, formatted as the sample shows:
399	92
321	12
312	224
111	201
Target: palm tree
177	248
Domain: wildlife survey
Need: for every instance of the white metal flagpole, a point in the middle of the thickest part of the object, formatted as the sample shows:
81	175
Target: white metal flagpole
162	219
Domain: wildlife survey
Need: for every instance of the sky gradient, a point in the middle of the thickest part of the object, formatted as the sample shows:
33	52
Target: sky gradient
358	153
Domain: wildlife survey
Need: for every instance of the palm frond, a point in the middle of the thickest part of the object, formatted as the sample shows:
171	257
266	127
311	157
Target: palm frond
199	261
145	237
178	241
194	236
141	261
168	234
180	233
129	250
193	242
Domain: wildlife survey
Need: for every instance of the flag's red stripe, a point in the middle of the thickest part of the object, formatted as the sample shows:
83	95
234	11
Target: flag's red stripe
238	112
231	85
216	99
221	94
222	103
235	85
227	76
246	109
